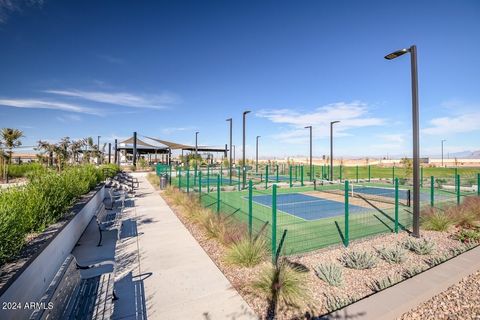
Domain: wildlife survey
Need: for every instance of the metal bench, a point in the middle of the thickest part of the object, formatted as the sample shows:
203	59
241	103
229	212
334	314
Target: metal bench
79	292
108	219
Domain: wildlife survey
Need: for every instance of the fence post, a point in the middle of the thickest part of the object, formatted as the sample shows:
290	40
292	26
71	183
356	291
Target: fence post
323	172
277	172
341	173
208	179
239	187
250	207
347	236
195	175
312	174
393	173
274	221
170	176
356	172
301	175
369	173
218	193
180	178
478	184
421	177
396	204
188	180
432	191
266	176
291	184
200	184
458	189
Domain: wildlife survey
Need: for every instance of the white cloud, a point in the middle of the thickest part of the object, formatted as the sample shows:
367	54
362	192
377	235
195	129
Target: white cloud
111	59
10	6
350	115
467	122
121	98
177	129
46	104
393	138
69	117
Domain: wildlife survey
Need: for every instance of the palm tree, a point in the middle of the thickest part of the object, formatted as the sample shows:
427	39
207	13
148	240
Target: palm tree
10	138
47	147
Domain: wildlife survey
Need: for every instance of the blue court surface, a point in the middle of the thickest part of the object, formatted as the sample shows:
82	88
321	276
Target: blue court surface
213	181
280	178
306	207
388	192
379	191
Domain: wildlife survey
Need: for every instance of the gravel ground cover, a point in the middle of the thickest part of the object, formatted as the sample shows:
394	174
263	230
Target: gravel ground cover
324	297
460	301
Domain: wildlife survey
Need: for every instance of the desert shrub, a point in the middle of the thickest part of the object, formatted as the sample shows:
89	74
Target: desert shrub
394	254
419	246
44	200
412	271
433	261
436	220
333	302
282	286
247	252
359	260
381	284
468	235
330	273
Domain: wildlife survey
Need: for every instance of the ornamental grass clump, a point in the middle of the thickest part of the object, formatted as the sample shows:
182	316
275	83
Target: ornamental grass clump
283	286
333	302
394	254
419	246
247	252
331	273
359	260
436	220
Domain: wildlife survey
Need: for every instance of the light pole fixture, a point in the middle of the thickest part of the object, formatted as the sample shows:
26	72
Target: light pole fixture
416	133
244	167
331	148
442	150
311	166
230	149
256	156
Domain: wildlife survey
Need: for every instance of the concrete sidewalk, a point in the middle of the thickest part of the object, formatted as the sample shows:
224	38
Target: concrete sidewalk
163	273
395	301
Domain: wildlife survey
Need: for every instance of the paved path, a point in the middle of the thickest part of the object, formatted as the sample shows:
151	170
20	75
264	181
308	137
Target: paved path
163	273
395	301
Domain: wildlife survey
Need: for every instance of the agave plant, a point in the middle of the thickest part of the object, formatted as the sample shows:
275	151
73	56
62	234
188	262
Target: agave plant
359	259
330	273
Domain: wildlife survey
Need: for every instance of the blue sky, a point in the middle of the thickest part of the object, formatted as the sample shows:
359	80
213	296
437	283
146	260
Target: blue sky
170	68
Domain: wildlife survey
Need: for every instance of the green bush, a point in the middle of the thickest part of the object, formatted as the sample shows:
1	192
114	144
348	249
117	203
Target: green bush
468	235
41	202
330	273
22	170
359	260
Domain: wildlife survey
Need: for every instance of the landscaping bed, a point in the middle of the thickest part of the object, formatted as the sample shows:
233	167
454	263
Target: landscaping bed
325	280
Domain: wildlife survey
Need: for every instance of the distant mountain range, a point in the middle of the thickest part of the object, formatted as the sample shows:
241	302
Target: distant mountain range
466	154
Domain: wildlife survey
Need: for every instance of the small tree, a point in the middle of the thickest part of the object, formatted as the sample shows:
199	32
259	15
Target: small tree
408	165
10	138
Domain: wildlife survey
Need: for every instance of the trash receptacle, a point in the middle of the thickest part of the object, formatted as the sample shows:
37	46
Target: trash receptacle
163	182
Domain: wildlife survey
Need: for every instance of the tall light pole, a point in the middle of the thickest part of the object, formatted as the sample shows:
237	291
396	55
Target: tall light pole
416	133
244	169
230	149
311	167
256	156
331	148
98	146
196	146
442	150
